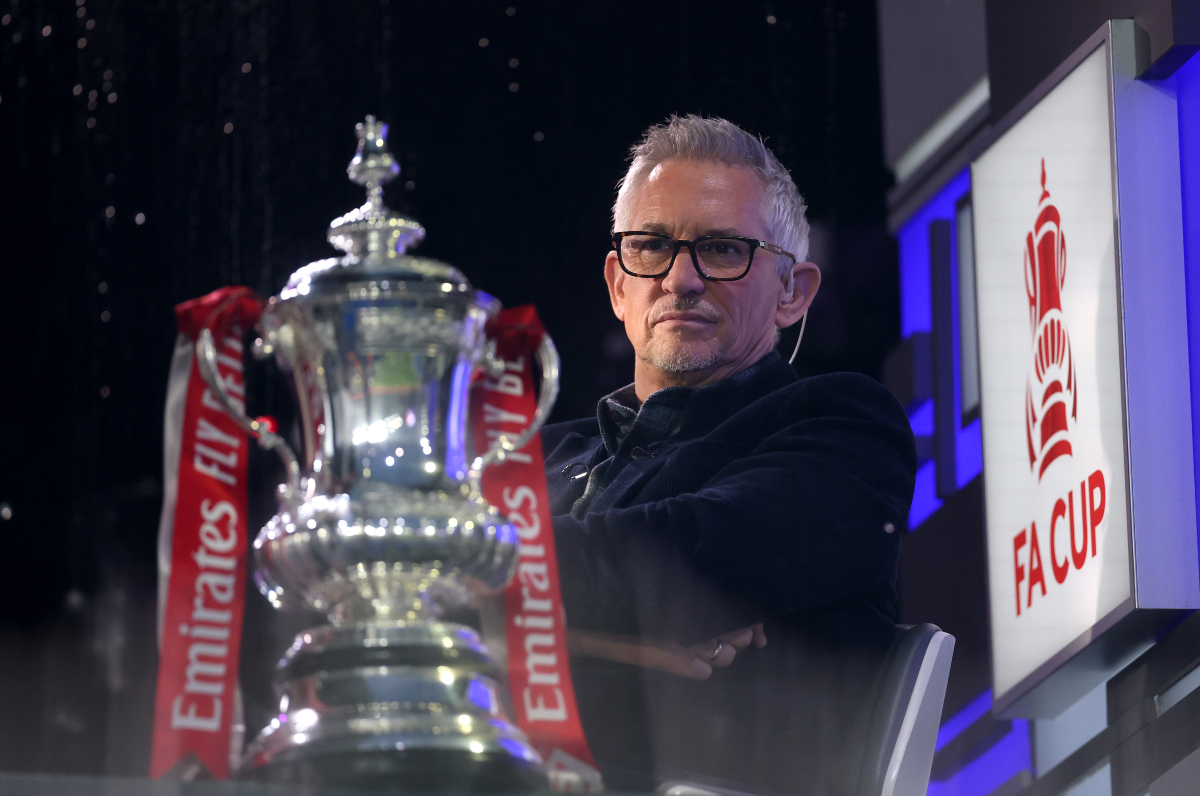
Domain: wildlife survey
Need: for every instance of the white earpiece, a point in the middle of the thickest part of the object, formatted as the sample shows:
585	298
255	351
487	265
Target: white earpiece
791	289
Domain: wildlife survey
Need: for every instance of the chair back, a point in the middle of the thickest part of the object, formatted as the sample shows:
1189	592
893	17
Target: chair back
902	729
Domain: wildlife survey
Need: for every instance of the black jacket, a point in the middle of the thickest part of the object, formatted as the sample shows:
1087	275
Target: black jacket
779	500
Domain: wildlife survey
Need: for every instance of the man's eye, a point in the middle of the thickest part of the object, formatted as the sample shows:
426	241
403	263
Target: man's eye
721	248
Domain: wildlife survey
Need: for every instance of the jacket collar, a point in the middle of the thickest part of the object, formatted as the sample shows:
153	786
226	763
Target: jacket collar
715	403
692	411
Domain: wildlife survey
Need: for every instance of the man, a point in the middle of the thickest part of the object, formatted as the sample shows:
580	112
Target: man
728	534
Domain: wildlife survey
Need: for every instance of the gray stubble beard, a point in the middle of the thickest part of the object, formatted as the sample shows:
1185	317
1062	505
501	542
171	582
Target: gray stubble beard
674	360
685	363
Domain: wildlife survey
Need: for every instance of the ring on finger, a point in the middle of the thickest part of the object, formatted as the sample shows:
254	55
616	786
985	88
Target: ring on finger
717	652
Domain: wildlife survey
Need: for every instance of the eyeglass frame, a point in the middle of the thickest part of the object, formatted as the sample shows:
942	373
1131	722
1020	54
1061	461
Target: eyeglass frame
677	244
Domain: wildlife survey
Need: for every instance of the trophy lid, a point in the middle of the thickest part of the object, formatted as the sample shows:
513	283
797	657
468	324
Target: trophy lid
373	237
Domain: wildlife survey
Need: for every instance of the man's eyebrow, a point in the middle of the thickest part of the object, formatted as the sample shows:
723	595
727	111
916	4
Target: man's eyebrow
658	226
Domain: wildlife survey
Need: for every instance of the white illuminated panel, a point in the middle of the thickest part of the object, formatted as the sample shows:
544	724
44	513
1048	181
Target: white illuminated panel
1050	374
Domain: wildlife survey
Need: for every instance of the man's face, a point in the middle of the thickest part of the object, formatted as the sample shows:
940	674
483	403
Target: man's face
681	324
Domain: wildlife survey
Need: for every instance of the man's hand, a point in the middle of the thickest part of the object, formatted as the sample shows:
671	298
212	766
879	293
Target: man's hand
666	655
721	650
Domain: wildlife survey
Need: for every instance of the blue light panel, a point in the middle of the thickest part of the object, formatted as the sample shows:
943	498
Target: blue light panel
1187	87
998	764
925	499
916	303
968	453
921	419
976	709
983	775
916	315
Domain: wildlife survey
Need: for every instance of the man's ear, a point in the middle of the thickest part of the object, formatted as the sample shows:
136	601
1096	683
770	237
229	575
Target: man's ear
805	279
615	278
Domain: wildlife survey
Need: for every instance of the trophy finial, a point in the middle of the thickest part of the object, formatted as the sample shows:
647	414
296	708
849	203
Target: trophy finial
373	164
372	230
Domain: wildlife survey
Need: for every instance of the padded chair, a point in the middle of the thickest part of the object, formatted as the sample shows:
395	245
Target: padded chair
901	728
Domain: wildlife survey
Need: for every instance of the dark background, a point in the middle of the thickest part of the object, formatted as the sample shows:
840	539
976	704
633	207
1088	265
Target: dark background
86	321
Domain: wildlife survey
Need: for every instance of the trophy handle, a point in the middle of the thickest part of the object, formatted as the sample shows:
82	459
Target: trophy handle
206	359
547	357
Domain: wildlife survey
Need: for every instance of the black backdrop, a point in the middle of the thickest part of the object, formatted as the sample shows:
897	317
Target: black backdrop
227	127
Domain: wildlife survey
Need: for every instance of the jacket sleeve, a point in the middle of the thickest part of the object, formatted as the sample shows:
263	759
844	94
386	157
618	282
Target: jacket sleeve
812	514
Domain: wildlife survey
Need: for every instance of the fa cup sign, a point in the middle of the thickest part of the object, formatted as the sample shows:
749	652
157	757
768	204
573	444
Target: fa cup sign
1050	355
1051	417
1085	378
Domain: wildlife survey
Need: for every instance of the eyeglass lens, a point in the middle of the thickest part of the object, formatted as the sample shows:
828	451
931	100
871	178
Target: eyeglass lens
651	255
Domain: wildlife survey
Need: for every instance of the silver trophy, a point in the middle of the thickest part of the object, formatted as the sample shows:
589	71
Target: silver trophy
381	524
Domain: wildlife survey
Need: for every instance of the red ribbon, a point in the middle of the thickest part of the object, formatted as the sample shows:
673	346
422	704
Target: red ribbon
539	672
204	516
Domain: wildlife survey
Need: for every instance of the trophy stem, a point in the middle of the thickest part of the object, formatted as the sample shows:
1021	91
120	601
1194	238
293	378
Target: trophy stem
375	198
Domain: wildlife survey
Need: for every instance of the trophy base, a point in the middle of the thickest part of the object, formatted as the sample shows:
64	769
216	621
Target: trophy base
393	706
422	771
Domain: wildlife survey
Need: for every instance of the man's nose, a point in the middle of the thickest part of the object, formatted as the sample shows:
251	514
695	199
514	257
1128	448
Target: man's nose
683	279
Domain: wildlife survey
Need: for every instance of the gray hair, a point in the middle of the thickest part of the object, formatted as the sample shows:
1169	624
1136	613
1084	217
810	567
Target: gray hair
715	140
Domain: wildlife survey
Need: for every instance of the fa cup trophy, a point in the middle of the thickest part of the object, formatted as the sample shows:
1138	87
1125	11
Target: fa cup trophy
381	524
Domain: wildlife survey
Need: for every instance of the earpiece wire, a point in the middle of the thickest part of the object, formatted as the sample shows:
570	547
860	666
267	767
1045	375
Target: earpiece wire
799	337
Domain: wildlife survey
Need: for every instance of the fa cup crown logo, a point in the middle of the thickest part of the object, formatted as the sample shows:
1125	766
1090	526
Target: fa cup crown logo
1051	384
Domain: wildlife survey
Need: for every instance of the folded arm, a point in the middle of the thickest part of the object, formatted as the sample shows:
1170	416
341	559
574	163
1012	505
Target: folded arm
696	661
812	514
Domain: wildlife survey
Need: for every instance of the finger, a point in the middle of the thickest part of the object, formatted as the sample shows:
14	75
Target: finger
715	653
738	639
667	656
760	636
725	656
671	657
682	663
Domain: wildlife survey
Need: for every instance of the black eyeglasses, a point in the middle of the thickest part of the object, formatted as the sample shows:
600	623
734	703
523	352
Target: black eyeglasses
717	258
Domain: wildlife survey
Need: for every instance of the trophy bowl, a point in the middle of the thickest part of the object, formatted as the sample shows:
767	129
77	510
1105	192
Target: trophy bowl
381	524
